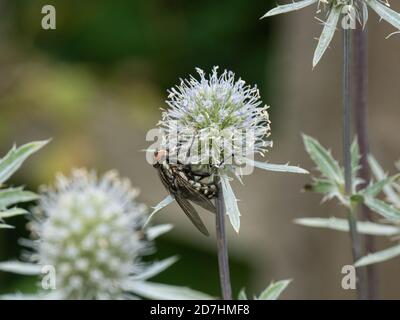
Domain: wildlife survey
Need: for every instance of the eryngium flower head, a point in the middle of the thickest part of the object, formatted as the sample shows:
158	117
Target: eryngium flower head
217	118
89	231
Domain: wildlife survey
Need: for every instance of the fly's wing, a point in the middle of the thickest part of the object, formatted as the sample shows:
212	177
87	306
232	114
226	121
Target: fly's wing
164	179
183	203
203	202
193	195
192	214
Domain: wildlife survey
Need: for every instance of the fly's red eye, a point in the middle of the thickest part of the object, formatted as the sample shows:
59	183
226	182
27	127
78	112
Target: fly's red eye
159	155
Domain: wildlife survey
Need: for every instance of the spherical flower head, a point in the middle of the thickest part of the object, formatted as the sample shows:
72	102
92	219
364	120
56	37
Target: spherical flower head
88	229
216	117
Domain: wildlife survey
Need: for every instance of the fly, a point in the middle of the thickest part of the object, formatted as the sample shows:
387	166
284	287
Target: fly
186	185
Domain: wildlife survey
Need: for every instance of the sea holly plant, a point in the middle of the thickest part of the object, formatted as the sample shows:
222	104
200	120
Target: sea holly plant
351	10
88	242
10	197
391	192
211	131
390	226
331	185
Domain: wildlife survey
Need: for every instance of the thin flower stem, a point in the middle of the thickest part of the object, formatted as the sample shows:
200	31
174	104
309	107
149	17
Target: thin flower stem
223	259
347	110
355	239
360	58
356	250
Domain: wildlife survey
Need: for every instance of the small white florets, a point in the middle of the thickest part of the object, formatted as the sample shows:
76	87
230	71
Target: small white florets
88	229
217	116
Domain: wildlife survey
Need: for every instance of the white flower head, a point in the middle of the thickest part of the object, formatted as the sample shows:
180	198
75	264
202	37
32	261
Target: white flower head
89	229
218	118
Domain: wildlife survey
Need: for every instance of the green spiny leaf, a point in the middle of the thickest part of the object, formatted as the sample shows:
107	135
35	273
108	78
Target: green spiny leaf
324	160
379	174
289	7
274	290
379	256
276	167
385	13
11	196
387	211
375	188
231	207
364	227
15	157
12	213
327	34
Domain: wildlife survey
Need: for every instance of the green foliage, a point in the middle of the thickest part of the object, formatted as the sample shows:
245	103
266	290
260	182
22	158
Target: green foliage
379	256
364	227
322	157
389	209
327	33
272	292
230	201
10	197
331	185
385	12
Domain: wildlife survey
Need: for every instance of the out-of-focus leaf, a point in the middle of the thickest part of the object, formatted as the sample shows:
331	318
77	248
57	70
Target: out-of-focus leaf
327	34
158	230
21	267
363	227
155	268
379	256
158	291
231	207
274	290
11	196
242	294
167	201
12	213
15	158
323	159
20	296
289	7
5	226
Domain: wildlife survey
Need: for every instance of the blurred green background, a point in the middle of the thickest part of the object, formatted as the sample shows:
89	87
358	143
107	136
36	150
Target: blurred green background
96	84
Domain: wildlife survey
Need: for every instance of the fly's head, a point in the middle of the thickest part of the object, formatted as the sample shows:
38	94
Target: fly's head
160	157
